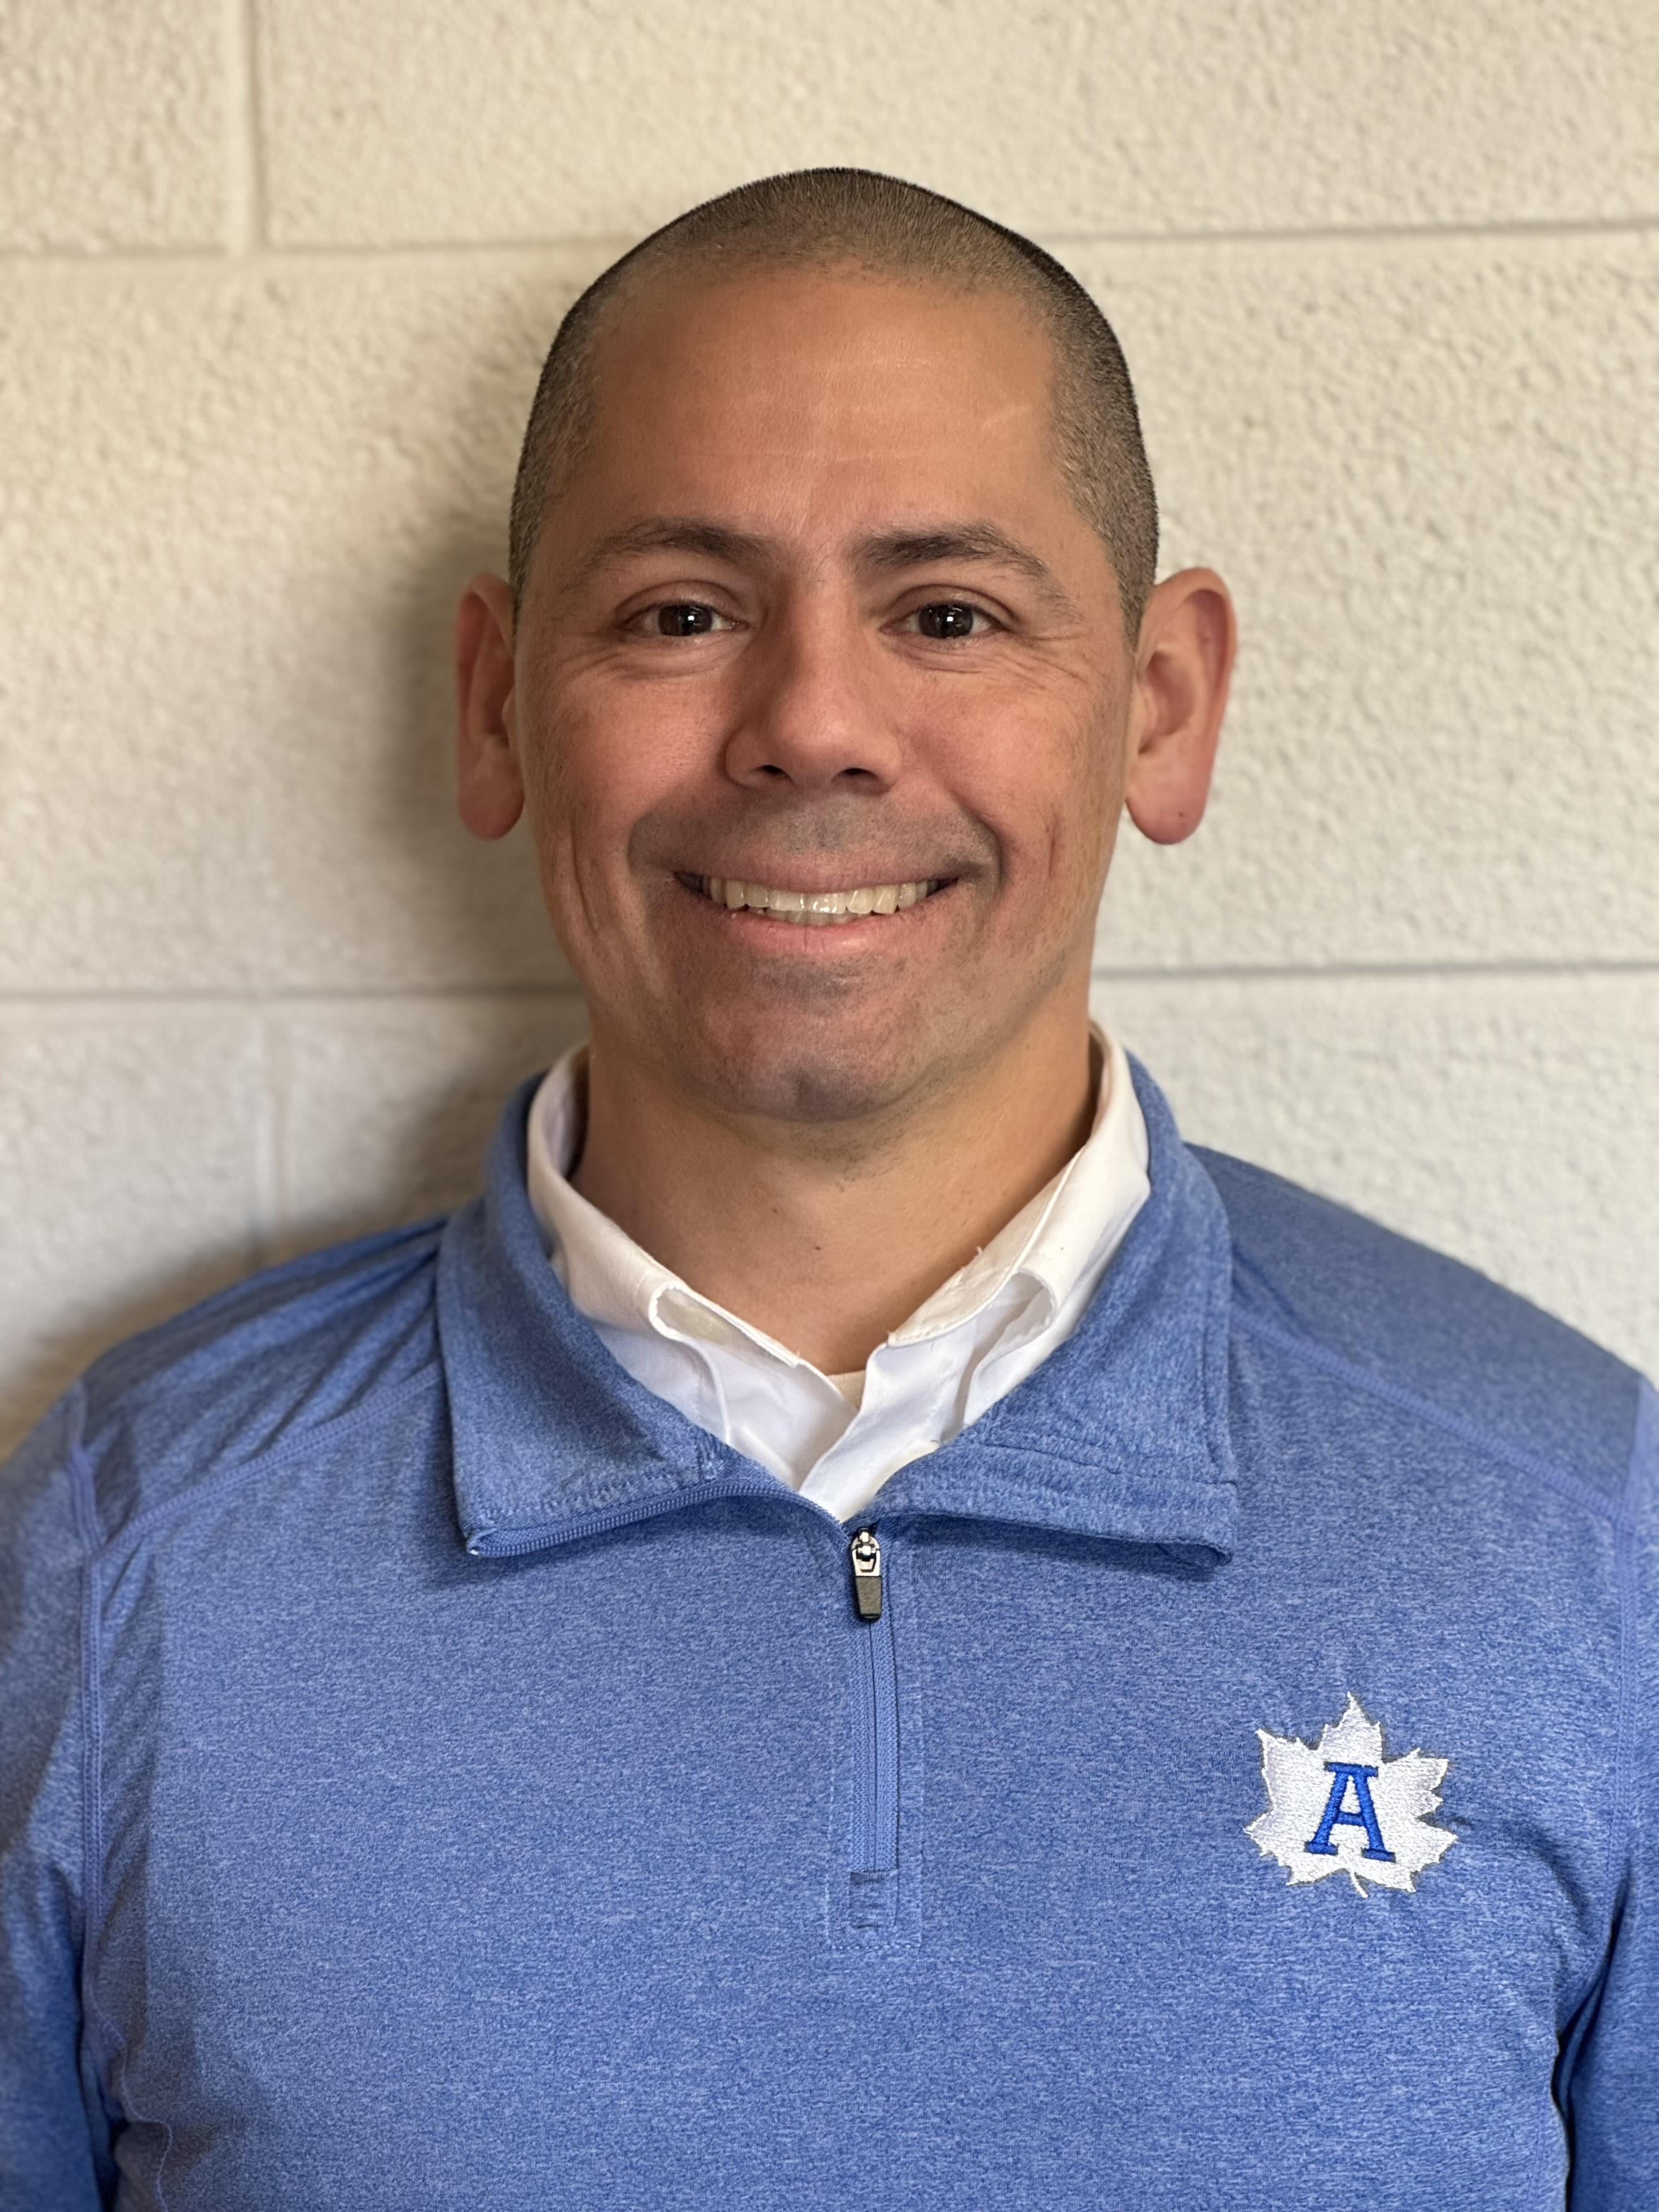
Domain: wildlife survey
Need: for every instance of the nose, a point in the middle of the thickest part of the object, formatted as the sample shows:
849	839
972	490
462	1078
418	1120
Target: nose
811	710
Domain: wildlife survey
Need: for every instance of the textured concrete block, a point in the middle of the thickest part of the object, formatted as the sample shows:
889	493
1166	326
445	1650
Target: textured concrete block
1428	473
130	1148
238	509
1511	1121
114	123
385	1108
393	121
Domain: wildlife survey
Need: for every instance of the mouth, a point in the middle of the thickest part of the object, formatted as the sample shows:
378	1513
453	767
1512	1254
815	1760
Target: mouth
815	910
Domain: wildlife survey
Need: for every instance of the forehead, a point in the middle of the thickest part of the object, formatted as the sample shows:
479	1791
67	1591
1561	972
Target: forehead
822	397
718	320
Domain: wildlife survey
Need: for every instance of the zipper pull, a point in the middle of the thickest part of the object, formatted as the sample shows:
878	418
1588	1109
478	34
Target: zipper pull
864	1553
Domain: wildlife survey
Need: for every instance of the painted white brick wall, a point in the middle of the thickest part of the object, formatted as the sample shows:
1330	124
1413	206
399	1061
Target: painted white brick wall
277	276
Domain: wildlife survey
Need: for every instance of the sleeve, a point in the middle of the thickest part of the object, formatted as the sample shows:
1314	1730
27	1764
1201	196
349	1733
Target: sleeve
1611	2093
54	2127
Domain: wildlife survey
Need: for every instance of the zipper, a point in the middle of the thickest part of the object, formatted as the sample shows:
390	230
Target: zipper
875	1722
875	1743
864	1556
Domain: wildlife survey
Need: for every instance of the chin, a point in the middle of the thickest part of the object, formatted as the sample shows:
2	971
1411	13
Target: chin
803	1088
813	1079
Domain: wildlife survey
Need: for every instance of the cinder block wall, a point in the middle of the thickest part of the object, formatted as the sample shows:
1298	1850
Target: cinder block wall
277	276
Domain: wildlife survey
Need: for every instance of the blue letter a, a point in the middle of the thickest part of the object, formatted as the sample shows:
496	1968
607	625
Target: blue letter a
1336	1816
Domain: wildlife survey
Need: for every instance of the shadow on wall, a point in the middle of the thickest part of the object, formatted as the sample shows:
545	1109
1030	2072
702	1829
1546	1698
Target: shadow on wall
425	1084
373	1103
385	1103
471	915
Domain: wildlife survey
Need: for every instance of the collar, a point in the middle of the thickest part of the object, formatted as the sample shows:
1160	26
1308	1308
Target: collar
1120	1433
1047	1245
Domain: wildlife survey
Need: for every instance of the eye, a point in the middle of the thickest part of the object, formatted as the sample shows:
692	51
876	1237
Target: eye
682	618
949	619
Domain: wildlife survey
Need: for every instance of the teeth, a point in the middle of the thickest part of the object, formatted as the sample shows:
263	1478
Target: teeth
817	909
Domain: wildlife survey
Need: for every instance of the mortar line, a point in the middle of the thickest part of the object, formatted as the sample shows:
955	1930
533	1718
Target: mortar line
1351	971
281	1206
248	192
300	996
257	1004
1374	234
266	1139
1379	234
602	245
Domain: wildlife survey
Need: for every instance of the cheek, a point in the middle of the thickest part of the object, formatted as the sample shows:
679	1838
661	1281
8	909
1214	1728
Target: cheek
569	800
579	794
1050	793
1092	787
601	767
610	752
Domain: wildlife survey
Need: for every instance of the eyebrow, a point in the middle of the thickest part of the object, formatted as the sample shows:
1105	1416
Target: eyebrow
892	551
886	552
950	542
672	533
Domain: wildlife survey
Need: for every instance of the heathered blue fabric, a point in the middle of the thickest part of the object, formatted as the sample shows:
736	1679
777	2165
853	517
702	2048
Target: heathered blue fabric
432	1767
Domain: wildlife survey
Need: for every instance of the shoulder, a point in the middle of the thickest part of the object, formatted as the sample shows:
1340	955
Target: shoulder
255	1371
1317	1283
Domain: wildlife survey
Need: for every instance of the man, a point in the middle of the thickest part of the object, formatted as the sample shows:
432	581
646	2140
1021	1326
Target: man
867	1628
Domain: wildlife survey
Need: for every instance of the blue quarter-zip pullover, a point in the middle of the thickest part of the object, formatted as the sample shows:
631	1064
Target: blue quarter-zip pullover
437	1774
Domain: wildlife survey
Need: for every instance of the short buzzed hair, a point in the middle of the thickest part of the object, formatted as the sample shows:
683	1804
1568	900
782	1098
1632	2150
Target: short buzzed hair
884	227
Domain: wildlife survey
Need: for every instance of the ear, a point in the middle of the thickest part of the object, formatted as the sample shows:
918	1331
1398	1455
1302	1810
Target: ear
490	790
1183	665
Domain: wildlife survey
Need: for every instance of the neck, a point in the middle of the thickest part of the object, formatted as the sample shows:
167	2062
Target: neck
829	1246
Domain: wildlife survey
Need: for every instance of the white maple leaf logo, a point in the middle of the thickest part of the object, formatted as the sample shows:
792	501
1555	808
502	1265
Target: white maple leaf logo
1339	1807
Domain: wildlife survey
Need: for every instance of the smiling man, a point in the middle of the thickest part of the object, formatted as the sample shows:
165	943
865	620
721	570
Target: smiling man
825	695
867	1624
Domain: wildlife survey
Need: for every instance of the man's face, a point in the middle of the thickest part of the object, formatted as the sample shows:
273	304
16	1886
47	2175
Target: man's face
815	615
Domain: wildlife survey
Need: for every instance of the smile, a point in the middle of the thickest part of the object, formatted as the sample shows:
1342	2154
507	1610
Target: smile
814	909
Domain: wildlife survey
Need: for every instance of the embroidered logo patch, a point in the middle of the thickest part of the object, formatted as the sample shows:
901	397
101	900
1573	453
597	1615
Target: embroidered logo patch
1339	1807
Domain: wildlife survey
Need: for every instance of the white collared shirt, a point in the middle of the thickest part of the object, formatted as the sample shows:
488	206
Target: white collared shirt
837	1439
